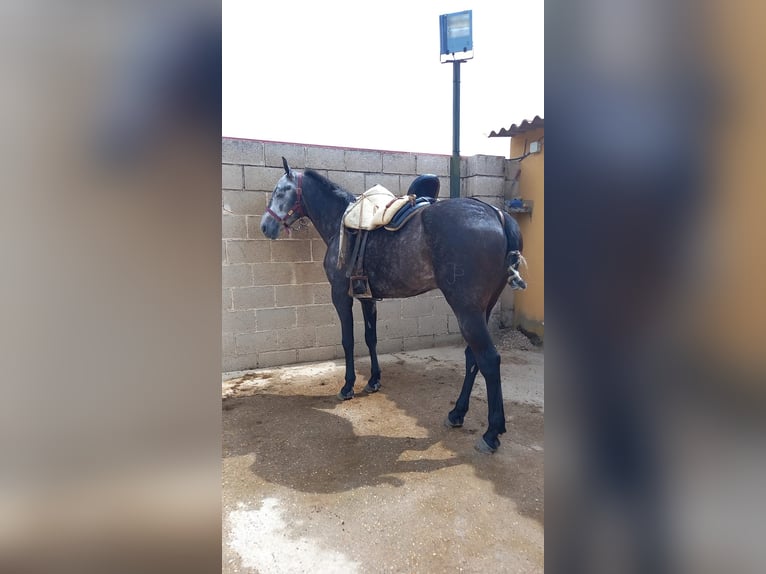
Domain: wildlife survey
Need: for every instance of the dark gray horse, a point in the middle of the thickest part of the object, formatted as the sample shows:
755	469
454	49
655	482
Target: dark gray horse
466	248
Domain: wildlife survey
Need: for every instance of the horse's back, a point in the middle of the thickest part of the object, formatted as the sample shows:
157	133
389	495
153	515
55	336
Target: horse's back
464	225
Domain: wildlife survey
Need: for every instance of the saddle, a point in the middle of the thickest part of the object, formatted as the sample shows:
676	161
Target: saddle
375	208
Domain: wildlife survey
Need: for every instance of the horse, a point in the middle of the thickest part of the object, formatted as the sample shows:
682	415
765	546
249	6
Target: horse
466	248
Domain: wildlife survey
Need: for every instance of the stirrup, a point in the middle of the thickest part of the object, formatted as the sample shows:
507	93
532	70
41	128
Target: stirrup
359	287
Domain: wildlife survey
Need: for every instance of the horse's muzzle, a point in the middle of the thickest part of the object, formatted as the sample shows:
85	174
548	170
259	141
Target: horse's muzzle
270	226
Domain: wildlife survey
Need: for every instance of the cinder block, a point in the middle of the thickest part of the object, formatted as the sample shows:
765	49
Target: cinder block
441	307
506	303
226	300
364	160
309	273
297	338
452	324
397	328
444	188
245	152
253	297
325	158
231	176
389	181
482	165
317	315
318	250
484	185
329	335
360	351
248	250
351	181
322	293
277	358
243	202
224	261
435	164
262	178
250	343
432	325
313	354
291	250
236	276
445	340
239	363
277	318
233	227
389	309
288	295
238	322
419	306
389	346
228	347
419	342
294	153
273	274
399	163
494	323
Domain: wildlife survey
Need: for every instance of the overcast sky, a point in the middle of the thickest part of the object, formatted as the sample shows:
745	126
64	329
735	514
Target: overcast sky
367	74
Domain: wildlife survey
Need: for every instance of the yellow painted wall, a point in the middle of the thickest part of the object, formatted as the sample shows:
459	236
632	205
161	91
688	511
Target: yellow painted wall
529	305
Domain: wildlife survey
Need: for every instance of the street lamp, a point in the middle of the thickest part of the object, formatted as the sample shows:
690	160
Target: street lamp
456	46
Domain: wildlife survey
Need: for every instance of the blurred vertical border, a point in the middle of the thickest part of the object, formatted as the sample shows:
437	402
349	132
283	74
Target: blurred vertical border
655	275
110	354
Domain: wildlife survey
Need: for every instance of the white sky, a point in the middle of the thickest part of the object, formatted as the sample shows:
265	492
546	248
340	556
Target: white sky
367	74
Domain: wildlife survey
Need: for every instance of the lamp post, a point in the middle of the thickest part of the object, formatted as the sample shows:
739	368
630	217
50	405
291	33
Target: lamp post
456	46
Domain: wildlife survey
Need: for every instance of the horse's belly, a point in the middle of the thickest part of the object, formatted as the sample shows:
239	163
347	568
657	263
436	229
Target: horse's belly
399	263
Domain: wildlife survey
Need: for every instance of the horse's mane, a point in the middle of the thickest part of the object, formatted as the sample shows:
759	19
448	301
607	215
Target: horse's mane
330	186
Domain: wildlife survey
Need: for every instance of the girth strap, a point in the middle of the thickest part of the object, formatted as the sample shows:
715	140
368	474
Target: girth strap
358	283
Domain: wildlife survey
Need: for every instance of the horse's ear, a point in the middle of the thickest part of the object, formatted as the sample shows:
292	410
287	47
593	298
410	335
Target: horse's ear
288	172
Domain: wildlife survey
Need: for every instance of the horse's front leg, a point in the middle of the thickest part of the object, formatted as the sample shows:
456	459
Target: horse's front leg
371	338
344	306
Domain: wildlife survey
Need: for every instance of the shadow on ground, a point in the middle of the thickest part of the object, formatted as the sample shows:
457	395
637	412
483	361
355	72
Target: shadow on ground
303	438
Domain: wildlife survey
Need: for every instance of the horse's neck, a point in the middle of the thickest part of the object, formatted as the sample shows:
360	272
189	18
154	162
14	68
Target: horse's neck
325	209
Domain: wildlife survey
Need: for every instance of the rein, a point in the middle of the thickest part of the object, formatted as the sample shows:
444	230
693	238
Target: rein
296	208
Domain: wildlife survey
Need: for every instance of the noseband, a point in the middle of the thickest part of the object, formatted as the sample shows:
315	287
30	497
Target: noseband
296	208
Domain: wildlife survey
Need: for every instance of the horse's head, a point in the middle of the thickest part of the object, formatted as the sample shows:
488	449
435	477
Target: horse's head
286	203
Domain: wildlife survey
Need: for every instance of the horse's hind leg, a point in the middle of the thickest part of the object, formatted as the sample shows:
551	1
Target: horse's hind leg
371	338
457	415
474	328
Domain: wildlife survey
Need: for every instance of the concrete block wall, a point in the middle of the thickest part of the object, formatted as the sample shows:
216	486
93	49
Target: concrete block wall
276	299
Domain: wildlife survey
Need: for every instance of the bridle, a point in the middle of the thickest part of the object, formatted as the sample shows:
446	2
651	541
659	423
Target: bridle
296	208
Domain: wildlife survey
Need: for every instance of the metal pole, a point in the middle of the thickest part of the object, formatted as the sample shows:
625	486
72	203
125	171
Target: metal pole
454	167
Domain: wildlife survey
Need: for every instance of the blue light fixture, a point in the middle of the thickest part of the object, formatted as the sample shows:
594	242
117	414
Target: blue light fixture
456	34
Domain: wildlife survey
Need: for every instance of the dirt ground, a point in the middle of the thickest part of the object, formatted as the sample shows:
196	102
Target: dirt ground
377	483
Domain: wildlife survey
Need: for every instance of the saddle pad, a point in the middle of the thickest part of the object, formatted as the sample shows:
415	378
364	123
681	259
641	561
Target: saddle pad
375	208
406	213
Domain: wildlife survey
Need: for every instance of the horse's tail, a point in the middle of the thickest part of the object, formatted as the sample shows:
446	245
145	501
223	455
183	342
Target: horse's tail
514	245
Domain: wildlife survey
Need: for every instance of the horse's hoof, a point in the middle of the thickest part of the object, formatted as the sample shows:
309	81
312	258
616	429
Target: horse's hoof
372	387
482	446
346	396
450	425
